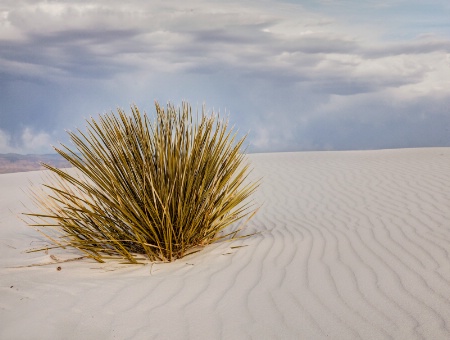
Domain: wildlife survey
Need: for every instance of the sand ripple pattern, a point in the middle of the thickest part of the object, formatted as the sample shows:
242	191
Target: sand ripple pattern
354	245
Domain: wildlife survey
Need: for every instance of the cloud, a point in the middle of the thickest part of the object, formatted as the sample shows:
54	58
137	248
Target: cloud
285	71
30	142
85	40
5	142
35	142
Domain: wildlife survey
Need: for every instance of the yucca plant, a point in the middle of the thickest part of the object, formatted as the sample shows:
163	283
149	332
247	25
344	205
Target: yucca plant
160	188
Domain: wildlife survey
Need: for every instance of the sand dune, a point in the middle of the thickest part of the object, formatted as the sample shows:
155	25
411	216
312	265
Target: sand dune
354	245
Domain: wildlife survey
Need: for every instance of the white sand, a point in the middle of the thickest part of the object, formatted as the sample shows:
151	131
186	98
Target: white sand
355	245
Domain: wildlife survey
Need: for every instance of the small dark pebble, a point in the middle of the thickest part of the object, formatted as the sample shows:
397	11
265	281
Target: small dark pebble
58	268
11	287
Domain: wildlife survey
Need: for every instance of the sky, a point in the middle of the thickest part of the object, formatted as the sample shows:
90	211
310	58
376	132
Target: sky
294	75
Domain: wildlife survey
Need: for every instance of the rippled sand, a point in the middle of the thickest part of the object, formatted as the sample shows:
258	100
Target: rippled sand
354	245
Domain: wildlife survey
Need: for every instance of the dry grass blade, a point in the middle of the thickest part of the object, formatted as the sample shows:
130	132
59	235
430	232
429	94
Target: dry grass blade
160	188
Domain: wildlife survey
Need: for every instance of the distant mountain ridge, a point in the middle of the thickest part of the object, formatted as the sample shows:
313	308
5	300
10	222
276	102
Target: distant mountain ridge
14	162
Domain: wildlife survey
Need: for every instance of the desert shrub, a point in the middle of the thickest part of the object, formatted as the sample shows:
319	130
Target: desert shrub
160	188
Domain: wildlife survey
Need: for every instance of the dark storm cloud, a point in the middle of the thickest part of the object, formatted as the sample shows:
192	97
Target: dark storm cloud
380	125
76	53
